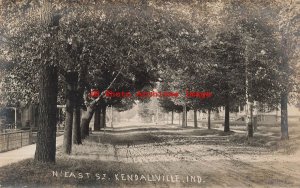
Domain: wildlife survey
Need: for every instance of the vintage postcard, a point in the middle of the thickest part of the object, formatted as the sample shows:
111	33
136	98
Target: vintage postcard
150	93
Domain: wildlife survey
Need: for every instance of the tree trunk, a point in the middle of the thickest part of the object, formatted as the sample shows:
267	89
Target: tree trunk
172	120
87	129
276	118
285	70
97	118
46	135
76	135
183	118
255	123
103	117
208	119
226	123
111	115
284	116
186	117
48	89
87	116
79	101
195	119
184	124
166	117
250	124
85	121
183	121
255	116
71	85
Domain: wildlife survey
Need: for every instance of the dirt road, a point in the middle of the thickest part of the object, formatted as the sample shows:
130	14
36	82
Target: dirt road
217	160
167	156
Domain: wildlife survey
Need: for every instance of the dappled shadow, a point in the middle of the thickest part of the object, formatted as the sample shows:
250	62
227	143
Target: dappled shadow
147	137
135	129
141	138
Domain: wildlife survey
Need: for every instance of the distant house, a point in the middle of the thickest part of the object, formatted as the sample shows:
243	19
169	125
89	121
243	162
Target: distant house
9	117
21	117
269	116
293	114
25	116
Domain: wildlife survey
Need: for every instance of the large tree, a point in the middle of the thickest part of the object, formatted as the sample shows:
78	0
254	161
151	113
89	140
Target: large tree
288	23
44	32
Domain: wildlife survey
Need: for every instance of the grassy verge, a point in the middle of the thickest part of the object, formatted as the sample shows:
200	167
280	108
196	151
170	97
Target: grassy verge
72	173
32	174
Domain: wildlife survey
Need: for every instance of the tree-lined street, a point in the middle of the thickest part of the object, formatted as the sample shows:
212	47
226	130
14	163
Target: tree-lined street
80	64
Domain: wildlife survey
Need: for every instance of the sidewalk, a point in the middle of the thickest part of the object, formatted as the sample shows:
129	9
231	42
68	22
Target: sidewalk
22	153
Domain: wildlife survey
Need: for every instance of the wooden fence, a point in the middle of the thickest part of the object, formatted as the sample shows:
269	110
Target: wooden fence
14	140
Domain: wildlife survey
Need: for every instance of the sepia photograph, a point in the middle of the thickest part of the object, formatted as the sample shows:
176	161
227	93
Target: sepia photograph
150	93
